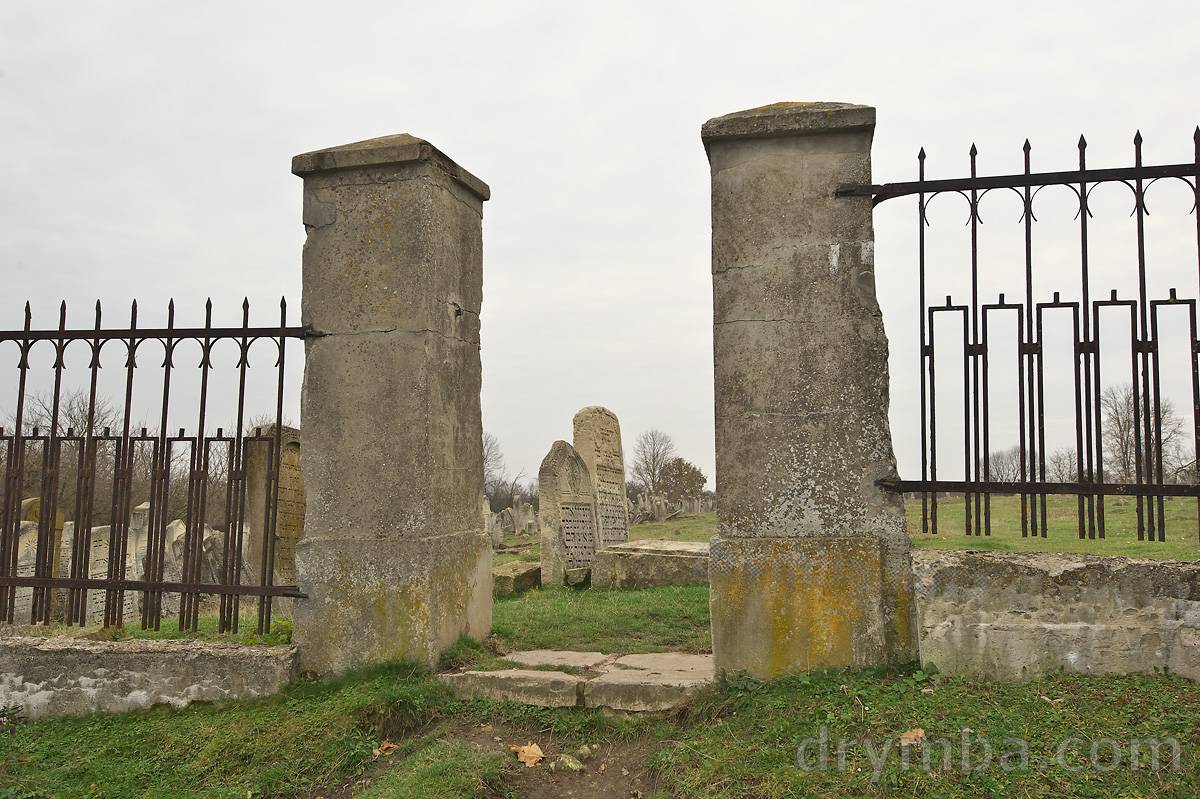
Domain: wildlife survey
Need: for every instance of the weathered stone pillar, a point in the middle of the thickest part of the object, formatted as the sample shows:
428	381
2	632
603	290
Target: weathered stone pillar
394	560
810	565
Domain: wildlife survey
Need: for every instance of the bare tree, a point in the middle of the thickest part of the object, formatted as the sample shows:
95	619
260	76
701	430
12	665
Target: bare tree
505	489
1124	428
1005	465
493	459
1062	466
651	452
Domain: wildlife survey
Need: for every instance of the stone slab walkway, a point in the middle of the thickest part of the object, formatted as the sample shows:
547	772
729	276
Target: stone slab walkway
650	683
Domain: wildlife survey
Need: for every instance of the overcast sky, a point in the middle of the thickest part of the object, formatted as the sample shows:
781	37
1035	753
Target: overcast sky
146	151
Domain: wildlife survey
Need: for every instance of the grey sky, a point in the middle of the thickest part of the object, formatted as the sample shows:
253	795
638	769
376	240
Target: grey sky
146	153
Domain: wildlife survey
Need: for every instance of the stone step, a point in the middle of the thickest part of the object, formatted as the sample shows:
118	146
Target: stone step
653	683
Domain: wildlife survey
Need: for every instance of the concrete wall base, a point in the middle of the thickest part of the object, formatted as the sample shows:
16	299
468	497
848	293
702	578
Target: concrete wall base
1015	616
385	599
784	605
51	677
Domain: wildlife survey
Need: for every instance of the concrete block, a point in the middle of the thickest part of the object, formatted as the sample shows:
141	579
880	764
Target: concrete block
514	578
649	563
527	686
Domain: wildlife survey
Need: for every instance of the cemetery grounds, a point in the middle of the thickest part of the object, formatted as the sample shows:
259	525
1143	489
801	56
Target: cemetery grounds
393	730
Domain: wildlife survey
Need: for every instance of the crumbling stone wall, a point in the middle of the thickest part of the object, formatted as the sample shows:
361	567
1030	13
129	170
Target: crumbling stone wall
1015	616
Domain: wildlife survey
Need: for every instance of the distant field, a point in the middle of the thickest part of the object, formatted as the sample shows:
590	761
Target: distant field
1062	534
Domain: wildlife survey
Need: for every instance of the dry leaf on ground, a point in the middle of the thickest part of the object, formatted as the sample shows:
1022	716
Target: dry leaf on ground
385	749
530	754
914	736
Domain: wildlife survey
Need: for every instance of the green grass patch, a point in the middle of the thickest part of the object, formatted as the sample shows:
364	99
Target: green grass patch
697	527
312	734
207	630
444	769
673	618
739	740
747	733
1062	529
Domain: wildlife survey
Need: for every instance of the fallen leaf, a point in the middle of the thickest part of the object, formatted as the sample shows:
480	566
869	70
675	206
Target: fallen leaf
385	749
530	754
914	736
486	727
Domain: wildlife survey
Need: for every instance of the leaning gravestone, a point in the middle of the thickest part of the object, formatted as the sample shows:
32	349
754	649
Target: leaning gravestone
568	511
598	441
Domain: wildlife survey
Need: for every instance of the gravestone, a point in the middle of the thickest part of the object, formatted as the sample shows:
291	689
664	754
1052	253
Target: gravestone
289	513
31	511
98	559
597	434
489	522
27	537
568	511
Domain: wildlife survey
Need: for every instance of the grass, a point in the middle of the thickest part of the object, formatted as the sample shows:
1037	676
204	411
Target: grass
744	739
738	741
1062	529
312	734
440	770
280	632
673	618
698	527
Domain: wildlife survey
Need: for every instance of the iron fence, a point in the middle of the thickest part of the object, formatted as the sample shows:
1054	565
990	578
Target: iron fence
90	473
1150	485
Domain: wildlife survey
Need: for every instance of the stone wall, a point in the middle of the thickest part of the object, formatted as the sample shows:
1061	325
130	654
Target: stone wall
49	677
1013	616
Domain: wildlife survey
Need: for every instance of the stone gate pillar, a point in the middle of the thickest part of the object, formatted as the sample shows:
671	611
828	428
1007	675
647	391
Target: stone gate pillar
810	565
395	560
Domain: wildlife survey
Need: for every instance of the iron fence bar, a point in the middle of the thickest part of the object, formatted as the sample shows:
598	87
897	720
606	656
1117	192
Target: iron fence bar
1089	351
1195	339
973	350
265	602
1142	442
921	350
887	191
1031	349
123	487
12	485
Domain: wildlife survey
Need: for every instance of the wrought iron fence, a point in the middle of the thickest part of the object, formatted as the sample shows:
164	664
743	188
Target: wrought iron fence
1149	484
74	573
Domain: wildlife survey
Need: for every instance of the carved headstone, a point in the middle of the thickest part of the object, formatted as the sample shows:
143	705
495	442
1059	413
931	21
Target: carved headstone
289	514
598	441
568	511
98	559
